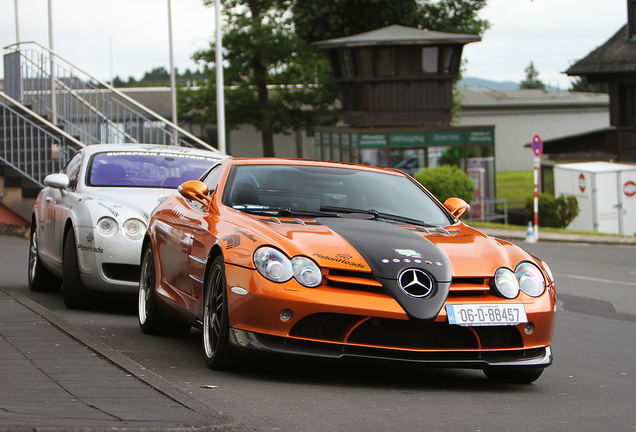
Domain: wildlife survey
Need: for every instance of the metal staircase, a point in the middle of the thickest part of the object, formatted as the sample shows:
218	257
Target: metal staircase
46	117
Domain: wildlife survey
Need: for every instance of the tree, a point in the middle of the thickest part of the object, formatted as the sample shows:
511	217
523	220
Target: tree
532	81
447	181
581	84
261	50
329	19
267	43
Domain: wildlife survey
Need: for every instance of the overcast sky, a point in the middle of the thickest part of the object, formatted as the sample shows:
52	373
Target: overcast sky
551	33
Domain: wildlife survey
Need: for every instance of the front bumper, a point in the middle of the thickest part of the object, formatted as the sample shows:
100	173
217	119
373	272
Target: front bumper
108	264
261	344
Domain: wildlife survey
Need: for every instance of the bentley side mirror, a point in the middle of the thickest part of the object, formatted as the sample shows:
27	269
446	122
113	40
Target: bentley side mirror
57	181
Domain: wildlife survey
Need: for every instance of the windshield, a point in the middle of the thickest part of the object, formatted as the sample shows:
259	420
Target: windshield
145	169
325	190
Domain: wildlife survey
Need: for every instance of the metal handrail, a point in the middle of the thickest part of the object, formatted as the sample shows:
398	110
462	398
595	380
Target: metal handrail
181	132
25	141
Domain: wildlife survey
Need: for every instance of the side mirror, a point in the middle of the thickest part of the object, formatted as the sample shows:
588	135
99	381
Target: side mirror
57	181
195	190
456	206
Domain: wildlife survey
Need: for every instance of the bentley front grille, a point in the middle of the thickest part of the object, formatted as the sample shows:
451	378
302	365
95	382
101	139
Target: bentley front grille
122	272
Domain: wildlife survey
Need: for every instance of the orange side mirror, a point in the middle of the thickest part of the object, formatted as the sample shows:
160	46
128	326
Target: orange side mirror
195	190
456	206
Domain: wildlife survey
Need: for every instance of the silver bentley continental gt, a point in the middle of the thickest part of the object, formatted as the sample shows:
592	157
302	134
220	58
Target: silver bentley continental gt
89	221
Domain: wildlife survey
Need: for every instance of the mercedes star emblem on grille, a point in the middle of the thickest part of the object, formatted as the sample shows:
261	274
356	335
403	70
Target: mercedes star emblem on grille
415	283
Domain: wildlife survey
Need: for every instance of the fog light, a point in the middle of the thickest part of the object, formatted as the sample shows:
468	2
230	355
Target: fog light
529	328
286	315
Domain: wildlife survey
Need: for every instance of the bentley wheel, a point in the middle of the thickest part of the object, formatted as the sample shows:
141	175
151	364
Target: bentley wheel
150	319
40	279
512	376
216	323
73	290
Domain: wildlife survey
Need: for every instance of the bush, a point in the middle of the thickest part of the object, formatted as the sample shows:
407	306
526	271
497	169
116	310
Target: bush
447	181
555	212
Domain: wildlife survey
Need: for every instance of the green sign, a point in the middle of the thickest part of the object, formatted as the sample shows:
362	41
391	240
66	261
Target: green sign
483	136
408	139
445	138
378	139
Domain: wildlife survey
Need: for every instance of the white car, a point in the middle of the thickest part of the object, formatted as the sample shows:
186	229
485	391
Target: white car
89	221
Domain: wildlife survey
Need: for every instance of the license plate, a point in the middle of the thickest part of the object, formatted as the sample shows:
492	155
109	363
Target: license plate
486	314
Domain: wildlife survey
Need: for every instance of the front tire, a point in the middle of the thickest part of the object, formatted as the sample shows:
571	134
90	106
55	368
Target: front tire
513	376
73	290
216	322
150	320
40	279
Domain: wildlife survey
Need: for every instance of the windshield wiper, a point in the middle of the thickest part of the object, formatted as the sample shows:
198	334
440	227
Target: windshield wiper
281	211
377	215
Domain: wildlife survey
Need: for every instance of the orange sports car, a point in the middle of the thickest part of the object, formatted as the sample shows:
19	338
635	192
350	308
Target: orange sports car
340	261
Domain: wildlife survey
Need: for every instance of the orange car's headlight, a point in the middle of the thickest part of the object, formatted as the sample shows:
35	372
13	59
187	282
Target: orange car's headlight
530	278
273	265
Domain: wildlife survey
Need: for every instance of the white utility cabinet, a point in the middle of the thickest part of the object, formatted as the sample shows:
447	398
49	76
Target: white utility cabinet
606	193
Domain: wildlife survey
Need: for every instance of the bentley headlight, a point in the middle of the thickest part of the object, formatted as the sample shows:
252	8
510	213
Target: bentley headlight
134	229
107	226
530	279
506	283
306	272
272	264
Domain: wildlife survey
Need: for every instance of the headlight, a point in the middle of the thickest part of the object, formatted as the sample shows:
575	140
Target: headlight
134	229
273	265
306	272
107	226
506	283
530	279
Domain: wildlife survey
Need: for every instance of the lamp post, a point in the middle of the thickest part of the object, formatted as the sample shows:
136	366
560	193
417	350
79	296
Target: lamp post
220	95
17	27
173	88
53	90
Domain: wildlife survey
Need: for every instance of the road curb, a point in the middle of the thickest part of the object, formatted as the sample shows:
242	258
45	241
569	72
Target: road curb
513	234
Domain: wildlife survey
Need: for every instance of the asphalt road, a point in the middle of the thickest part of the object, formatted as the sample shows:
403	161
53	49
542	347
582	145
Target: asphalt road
590	386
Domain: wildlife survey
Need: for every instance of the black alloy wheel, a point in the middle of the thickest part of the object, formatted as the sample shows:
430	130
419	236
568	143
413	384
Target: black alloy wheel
216	326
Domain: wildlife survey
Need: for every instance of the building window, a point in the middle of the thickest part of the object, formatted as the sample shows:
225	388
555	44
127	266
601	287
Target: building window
448	59
429	60
626	104
366	62
346	64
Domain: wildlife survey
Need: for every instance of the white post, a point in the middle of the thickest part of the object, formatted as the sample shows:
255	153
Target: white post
220	94
17	26
53	89
173	87
537	163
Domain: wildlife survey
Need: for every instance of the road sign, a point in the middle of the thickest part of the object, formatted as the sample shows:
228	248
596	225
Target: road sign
537	145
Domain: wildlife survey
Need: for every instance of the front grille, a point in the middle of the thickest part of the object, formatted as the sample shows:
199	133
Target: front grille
499	337
410	334
469	287
384	332
325	326
122	272
354	280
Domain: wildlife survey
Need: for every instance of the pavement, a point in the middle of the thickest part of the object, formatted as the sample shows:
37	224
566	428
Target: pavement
56	377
